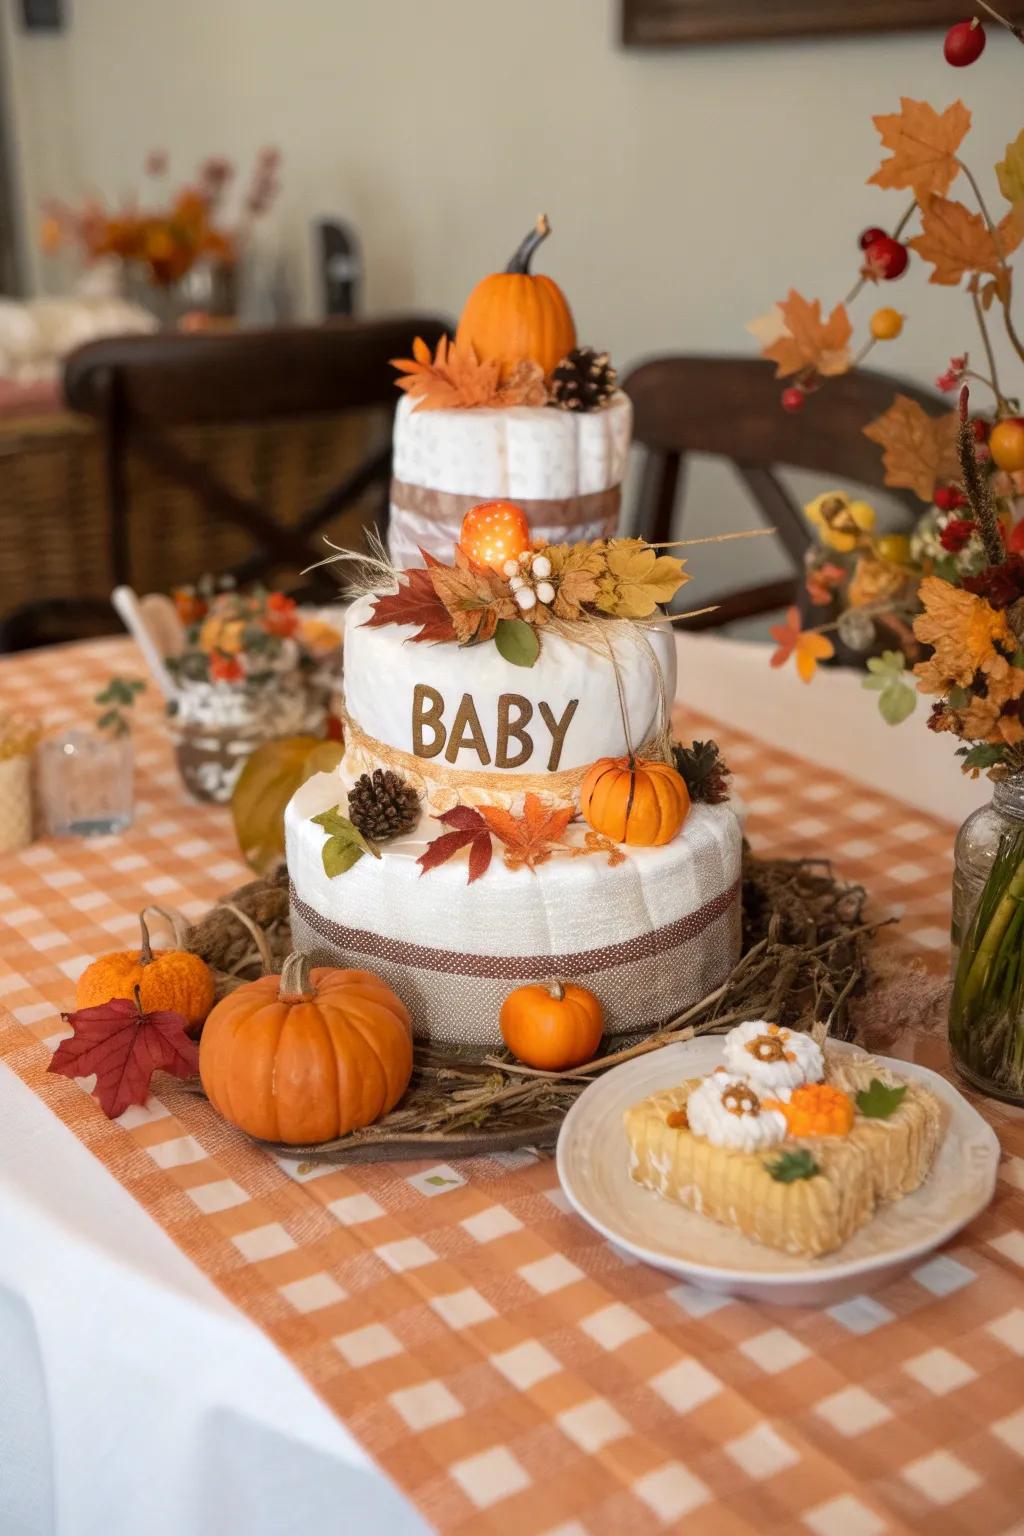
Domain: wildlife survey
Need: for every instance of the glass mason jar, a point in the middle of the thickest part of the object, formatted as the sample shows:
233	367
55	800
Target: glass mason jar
986	1011
86	783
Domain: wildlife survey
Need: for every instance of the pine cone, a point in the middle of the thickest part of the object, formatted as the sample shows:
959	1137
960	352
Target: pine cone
704	771
382	804
583	380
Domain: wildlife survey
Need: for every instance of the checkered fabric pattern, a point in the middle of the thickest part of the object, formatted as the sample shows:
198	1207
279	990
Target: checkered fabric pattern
506	1367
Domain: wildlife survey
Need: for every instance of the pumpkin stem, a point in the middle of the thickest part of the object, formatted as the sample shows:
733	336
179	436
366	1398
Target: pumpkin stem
146	952
632	791
295	983
524	252
556	990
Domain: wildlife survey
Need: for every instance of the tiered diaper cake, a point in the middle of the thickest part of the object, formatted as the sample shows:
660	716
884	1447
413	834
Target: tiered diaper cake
508	808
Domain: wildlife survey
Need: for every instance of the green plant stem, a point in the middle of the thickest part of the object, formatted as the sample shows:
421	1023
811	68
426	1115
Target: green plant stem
995	930
993	381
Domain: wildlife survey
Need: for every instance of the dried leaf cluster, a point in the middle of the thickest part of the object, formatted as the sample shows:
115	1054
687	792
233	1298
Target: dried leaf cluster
454	377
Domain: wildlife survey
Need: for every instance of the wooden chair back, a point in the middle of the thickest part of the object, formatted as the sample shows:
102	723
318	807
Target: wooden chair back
729	407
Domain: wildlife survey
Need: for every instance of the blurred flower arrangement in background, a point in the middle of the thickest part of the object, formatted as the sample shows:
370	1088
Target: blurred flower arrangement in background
246	638
163	236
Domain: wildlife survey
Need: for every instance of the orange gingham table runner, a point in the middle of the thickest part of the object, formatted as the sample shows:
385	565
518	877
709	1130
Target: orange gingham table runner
505	1366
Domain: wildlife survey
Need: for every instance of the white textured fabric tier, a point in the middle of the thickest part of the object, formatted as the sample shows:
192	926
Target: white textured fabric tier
649	936
384	667
563	467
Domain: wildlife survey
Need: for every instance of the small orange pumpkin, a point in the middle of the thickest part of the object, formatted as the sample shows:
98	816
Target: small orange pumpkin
516	315
308	1055
634	801
553	1026
171	979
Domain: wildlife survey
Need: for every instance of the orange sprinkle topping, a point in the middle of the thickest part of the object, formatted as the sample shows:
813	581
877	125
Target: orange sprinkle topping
677	1119
818	1109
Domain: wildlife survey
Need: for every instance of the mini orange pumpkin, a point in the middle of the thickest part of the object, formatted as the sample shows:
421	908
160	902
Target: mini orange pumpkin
171	979
308	1055
634	801
517	315
553	1026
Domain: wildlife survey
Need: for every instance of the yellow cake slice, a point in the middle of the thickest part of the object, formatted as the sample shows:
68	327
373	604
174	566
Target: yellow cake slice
806	1217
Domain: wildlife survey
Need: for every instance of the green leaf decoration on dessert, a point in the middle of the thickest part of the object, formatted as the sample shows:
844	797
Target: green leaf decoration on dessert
897	698
345	844
878	1102
790	1166
517	642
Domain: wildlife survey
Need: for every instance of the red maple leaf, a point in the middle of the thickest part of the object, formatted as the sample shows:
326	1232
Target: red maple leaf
124	1047
470	831
415	602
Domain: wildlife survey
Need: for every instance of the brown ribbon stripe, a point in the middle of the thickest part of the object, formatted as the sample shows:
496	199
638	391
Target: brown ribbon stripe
450	507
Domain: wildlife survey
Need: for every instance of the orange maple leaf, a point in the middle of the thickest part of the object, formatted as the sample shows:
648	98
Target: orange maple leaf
919	450
805	644
809	342
475	596
529	839
454	377
924	145
957	241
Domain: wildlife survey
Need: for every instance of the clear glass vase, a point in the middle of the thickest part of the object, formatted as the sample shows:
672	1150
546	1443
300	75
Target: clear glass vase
86	783
986	1012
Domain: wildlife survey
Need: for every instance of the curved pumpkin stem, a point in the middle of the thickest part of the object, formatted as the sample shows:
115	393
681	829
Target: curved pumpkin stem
520	262
146	950
556	990
295	984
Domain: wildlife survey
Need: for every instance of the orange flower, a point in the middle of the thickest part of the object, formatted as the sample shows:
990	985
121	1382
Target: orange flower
965	632
807	646
874	582
817	1109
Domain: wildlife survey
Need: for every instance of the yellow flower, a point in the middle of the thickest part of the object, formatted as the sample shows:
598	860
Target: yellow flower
222	635
839	520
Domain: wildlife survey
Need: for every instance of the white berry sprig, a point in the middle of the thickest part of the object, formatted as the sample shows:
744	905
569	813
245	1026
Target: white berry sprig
529	580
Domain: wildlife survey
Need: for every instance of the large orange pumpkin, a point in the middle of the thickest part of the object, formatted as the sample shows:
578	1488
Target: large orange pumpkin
172	980
308	1055
517	315
634	801
554	1026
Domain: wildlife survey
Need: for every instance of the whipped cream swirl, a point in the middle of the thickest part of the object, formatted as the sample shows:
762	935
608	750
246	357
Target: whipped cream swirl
772	1059
727	1111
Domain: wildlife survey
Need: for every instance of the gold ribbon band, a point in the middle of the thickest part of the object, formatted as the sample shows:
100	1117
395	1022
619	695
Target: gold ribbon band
450	507
444	787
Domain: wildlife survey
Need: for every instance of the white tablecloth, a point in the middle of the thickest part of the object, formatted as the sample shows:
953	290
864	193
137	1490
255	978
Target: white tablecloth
135	1400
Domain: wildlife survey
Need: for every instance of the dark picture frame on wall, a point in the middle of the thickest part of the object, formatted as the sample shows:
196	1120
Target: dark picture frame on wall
675	23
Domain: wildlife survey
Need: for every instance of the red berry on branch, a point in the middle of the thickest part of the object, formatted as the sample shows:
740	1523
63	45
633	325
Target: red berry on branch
980	429
947	498
886	258
964	43
869	236
793	398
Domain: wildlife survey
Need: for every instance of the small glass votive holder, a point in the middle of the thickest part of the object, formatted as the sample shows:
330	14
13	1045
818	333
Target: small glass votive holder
85	783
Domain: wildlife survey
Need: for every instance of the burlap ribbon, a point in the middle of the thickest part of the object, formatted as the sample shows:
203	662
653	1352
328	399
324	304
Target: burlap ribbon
450	507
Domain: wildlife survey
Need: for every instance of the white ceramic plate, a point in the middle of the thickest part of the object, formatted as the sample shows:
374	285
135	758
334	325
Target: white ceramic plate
592	1161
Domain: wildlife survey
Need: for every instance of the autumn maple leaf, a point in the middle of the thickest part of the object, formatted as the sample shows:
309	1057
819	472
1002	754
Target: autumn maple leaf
529	839
469	830
808	647
803	340
453	378
637	579
924	145
474	596
575	570
124	1047
1010	171
920	450
415	602
957	241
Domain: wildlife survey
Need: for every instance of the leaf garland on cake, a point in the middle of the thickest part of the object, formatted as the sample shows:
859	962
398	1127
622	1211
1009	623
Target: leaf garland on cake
124	1047
794	1165
878	1101
469	830
529	839
475	597
345	844
415	602
636	580
454	378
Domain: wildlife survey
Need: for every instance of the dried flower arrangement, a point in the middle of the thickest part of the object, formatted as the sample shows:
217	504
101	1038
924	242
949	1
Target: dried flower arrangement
165	242
245	639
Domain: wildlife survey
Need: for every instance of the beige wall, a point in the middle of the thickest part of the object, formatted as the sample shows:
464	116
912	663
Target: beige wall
687	188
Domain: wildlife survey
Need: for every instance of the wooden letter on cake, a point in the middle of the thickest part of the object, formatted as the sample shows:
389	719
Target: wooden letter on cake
466	732
558	729
427	705
513	730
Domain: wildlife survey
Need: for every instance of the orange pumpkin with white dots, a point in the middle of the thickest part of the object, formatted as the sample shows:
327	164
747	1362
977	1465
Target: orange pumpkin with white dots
519	316
306	1056
633	801
494	532
553	1025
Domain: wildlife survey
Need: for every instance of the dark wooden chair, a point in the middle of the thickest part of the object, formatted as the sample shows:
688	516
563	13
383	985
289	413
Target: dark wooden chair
729	407
231	452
